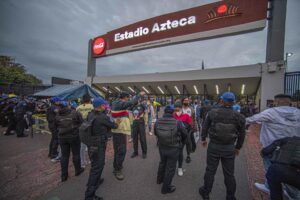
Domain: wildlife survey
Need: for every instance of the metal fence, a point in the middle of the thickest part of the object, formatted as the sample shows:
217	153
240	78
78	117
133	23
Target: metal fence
292	85
22	89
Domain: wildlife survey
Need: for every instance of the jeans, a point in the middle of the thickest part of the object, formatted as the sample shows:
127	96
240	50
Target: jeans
138	131
67	145
292	191
150	122
83	154
278	174
119	143
97	157
167	165
53	146
225	153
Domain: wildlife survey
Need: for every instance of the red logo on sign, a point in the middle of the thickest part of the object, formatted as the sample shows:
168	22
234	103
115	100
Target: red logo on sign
222	11
99	46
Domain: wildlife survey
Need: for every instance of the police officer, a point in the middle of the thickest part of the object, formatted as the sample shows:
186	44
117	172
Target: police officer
67	122
138	130
226	130
171	134
20	111
9	110
100	129
51	114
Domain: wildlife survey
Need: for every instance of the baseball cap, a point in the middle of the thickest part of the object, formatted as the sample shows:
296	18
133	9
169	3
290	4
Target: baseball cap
169	109
228	97
55	99
282	96
124	94
98	102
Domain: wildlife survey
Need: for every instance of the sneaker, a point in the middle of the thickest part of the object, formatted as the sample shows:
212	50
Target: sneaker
150	133
98	198
170	189
144	156
119	175
130	140
180	172
203	194
80	172
188	159
133	155
262	187
55	160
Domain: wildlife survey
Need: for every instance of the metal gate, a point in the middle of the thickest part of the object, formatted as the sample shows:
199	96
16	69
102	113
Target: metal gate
292	85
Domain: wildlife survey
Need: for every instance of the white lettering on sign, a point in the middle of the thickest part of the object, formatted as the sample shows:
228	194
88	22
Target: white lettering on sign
156	28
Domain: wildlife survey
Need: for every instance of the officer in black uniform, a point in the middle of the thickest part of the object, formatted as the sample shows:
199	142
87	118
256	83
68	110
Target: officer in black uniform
20	111
138	129
226	130
51	114
9	110
100	129
170	134
67	122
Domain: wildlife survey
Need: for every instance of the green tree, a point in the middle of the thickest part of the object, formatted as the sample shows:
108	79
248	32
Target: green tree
15	73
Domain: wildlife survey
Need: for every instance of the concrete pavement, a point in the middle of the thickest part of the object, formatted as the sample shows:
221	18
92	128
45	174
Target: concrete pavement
140	180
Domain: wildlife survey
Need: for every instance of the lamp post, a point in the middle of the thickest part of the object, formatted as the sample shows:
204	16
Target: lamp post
288	54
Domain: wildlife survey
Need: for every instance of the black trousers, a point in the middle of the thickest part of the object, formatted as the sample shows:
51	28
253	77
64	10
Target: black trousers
53	146
11	125
67	145
97	157
180	156
120	143
278	174
21	123
138	131
225	153
167	165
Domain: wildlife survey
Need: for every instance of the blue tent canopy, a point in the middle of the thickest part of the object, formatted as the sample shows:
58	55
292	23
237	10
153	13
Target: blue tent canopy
68	92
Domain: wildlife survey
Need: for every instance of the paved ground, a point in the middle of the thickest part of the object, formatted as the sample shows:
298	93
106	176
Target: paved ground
140	182
27	173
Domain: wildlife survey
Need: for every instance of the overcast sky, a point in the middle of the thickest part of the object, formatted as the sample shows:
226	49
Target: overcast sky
51	38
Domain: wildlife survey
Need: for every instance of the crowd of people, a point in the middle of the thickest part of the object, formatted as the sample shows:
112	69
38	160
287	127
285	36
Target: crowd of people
89	126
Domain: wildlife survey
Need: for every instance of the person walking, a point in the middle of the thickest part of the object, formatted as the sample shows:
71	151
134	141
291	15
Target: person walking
84	109
120	115
187	121
276	123
67	122
101	125
170	134
226	130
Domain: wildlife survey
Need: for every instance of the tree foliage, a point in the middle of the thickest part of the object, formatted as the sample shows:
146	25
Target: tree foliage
15	73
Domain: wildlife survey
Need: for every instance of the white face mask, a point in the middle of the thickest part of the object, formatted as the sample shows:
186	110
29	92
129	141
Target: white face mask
179	113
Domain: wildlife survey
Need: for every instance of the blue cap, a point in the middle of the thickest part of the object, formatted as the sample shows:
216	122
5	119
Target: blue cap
64	104
228	97
55	99
169	109
73	104
99	102
206	102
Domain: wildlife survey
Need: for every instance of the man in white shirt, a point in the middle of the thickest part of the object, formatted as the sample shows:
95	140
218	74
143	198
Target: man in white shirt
277	123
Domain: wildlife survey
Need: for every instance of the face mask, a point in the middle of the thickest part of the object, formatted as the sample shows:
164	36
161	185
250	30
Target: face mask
186	104
179	113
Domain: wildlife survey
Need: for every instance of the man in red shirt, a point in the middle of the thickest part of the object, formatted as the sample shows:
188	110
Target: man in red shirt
187	121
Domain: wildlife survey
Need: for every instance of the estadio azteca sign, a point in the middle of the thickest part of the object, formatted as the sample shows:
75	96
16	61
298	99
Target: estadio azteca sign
212	20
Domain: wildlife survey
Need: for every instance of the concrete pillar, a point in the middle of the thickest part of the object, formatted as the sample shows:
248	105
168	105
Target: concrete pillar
272	81
273	71
91	65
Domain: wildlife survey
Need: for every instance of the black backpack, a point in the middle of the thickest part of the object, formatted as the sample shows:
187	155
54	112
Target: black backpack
287	151
166	131
86	131
65	124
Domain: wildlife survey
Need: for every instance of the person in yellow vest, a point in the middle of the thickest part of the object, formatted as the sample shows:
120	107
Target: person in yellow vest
120	114
84	109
